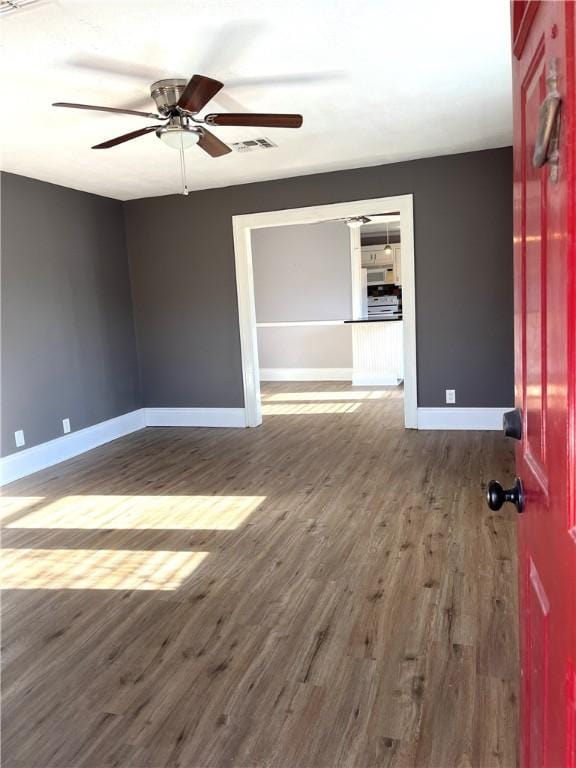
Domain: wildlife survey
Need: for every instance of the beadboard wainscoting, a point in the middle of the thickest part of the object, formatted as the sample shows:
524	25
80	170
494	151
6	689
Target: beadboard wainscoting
378	353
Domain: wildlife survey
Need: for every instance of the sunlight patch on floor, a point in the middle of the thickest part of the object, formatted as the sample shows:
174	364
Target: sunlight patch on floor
306	409
10	505
96	569
220	513
288	397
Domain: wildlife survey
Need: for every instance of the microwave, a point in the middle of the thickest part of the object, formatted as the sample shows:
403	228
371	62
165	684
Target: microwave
380	275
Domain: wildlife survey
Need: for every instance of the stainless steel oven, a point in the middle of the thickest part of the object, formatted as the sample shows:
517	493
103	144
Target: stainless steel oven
384	306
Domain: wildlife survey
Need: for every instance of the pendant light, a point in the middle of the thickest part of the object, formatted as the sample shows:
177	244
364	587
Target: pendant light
388	248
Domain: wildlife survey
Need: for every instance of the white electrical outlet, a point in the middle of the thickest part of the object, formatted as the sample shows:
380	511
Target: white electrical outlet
19	438
66	425
450	396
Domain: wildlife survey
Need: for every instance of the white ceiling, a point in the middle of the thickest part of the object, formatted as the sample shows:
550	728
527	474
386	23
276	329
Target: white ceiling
377	81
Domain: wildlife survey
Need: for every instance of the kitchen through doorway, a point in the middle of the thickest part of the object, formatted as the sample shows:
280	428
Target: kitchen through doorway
326	295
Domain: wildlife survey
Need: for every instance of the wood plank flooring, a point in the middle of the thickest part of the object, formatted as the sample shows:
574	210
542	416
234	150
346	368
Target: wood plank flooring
326	590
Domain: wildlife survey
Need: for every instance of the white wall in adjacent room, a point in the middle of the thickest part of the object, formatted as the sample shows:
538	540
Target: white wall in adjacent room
302	274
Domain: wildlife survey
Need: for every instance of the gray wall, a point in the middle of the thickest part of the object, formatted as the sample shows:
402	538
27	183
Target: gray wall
303	273
68	346
312	346
182	262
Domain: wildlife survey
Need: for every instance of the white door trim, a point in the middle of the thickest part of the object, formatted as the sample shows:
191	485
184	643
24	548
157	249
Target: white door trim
241	227
356	272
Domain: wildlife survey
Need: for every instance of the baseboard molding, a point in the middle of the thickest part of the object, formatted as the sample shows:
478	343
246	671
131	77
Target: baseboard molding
195	417
305	374
60	449
374	380
45	455
30	460
461	418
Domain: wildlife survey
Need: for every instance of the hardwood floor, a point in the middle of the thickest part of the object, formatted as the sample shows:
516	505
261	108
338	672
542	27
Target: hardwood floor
326	590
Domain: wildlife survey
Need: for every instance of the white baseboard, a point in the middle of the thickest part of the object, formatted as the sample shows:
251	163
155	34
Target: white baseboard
195	417
47	454
461	418
305	374
53	452
374	380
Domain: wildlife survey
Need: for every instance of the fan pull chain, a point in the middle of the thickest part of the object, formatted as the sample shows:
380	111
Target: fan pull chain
183	166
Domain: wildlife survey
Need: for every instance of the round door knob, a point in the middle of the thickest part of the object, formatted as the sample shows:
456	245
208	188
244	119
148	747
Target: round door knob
496	496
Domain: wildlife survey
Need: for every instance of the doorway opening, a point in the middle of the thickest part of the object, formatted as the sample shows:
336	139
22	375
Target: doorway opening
367	308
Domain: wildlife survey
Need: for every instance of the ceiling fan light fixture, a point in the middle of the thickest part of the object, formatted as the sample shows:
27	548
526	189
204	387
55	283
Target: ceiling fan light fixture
178	102
356	221
179	137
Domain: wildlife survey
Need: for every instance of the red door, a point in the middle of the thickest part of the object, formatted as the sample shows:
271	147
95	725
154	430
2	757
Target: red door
544	76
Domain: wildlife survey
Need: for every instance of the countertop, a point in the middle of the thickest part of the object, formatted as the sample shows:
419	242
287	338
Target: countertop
375	319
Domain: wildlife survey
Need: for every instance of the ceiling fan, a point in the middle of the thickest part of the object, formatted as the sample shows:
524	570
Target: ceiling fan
178	103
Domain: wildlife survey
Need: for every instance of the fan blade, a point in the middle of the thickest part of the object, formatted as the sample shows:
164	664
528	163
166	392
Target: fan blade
212	144
107	109
198	93
125	137
260	120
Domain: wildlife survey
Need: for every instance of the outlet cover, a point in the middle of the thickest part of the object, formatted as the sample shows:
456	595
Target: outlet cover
450	396
19	438
66	425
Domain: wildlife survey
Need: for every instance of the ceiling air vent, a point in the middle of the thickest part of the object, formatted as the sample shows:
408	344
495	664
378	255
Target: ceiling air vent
6	6
252	144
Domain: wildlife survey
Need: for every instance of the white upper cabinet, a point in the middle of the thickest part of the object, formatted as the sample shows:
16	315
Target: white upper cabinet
384	259
374	256
369	255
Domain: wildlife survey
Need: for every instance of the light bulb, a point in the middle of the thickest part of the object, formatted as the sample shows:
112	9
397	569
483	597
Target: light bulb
176	137
388	250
